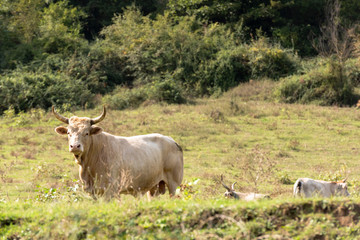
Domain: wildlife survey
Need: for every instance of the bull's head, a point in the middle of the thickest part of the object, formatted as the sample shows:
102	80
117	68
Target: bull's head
230	193
79	131
342	188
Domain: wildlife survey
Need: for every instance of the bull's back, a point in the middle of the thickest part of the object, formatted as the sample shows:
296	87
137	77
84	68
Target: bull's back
152	143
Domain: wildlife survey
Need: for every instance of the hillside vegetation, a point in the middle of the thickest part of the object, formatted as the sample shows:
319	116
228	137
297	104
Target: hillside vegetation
240	135
80	55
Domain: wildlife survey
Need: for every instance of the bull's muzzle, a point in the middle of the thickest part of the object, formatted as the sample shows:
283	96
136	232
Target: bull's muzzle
75	148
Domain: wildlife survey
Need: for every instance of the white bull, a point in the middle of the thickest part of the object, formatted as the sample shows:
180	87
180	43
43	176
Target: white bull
114	165
311	188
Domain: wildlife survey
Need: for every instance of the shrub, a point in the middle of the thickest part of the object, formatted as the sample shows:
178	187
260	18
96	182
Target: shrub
98	67
226	70
24	90
324	85
270	61
352	66
20	54
122	98
160	90
165	90
102	69
284	178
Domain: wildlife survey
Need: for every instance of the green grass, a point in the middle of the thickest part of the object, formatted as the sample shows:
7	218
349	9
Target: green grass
232	135
179	219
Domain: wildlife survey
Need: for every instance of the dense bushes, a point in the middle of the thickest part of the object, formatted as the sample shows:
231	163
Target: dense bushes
324	85
202	59
226	70
122	98
24	90
154	48
165	90
161	60
271	61
160	90
139	58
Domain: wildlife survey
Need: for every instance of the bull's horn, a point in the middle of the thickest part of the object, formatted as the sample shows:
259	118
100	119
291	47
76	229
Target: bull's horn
232	186
99	118
58	116
226	187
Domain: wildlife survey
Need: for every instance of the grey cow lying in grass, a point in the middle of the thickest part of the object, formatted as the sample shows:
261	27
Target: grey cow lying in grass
311	188
231	193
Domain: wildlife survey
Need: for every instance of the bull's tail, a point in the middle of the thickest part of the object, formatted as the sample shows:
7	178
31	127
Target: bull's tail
298	187
179	147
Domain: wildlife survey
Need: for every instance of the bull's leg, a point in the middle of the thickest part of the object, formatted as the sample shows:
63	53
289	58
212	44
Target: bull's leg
172	188
174	180
173	170
149	196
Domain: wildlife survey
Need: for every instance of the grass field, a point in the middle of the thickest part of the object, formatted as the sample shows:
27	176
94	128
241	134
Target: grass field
245	135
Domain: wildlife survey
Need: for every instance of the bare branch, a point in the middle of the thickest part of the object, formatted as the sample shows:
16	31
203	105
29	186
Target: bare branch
335	39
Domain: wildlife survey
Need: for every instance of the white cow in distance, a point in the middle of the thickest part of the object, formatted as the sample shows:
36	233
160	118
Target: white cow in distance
311	188
250	196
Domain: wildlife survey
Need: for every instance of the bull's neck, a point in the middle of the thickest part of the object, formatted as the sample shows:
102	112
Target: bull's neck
89	164
90	157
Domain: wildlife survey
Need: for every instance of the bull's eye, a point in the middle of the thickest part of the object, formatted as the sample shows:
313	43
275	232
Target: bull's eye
87	134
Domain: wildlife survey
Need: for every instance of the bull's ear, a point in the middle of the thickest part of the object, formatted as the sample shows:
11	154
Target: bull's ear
61	130
95	130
